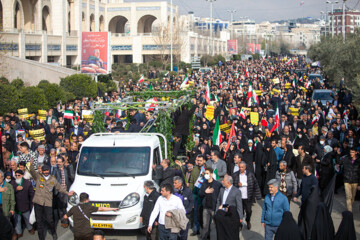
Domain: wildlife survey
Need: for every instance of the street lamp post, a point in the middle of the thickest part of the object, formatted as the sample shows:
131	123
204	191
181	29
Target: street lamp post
211	27
322	17
231	20
326	21
332	15
343	20
171	36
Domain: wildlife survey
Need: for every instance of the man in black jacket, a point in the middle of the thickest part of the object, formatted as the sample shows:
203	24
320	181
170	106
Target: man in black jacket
149	202
249	187
351	169
185	194
24	193
168	172
209	192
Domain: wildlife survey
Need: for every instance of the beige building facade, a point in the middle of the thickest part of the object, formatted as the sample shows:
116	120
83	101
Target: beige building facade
49	31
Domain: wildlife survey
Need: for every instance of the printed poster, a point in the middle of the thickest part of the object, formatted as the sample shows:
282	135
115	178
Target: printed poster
95	53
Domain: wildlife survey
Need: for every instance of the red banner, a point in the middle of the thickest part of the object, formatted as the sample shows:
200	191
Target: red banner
232	46
253	48
250	48
95	56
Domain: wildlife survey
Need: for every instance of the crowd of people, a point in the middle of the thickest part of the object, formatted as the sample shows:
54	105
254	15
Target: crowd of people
274	143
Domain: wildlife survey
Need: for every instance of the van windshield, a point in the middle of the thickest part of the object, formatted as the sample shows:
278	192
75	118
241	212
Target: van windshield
323	96
114	161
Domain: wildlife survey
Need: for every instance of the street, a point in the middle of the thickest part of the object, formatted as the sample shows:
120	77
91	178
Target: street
255	233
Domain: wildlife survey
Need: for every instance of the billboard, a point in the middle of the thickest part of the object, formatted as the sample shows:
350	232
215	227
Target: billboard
95	52
232	46
253	48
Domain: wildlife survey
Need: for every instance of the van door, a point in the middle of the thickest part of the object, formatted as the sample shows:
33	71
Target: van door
157	172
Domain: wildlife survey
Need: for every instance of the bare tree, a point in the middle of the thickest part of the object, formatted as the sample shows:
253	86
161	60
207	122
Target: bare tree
162	38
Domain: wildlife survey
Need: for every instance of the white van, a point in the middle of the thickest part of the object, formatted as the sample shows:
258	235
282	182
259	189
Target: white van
112	169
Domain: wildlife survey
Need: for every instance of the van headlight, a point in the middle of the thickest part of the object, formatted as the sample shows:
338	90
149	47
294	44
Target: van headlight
74	199
130	200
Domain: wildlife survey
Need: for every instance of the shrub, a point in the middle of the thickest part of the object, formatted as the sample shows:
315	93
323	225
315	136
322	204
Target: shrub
80	85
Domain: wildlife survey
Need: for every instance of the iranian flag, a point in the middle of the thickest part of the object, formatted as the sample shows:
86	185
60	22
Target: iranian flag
247	72
237	76
308	84
294	83
217	98
118	114
221	85
217	133
315	119
289	61
141	80
241	88
242	113
185	82
207	93
276	121
252	97
68	114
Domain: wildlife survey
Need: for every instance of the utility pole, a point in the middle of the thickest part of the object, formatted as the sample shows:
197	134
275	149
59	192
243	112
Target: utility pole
231	20
211	25
332	15
343	21
171	36
325	18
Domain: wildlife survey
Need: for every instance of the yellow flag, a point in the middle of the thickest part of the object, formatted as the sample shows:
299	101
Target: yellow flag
37	134
254	118
42	114
225	128
210	112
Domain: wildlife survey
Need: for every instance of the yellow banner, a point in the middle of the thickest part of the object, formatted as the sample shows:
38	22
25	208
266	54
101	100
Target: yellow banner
294	111
210	112
276	81
88	116
37	134
42	114
304	89
246	110
23	113
258	92
225	128
287	85
254	118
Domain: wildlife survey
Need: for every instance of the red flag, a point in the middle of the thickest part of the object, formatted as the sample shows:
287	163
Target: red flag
231	135
264	122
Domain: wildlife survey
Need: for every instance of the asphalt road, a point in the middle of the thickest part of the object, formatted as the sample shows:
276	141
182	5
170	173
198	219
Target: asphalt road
256	232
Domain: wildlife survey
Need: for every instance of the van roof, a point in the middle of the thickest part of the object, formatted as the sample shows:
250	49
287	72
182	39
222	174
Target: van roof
121	140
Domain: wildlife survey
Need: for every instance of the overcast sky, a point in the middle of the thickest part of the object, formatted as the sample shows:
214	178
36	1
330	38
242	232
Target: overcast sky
259	10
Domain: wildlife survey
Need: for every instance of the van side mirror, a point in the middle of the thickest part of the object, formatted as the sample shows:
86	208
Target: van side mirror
158	172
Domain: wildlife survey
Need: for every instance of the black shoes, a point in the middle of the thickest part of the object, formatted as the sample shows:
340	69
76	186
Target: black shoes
195	233
248	224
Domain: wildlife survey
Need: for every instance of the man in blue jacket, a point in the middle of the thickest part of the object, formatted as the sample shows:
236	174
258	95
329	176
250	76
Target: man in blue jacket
275	204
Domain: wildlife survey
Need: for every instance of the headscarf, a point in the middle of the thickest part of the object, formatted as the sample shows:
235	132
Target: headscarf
288	228
323	228
346	229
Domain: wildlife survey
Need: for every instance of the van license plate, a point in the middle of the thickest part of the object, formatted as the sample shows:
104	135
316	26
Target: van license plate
102	225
